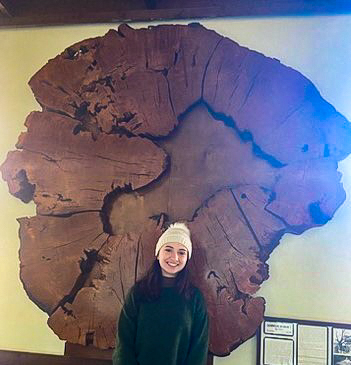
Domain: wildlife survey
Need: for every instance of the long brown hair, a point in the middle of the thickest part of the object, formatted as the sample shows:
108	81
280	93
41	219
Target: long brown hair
149	287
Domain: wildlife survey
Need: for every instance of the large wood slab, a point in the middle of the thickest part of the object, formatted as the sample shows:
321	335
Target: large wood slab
145	127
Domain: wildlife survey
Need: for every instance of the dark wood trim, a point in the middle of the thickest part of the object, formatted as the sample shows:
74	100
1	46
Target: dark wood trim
26	358
151	4
32	14
91	352
85	352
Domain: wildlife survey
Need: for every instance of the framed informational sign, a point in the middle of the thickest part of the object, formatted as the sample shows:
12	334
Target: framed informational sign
283	341
342	346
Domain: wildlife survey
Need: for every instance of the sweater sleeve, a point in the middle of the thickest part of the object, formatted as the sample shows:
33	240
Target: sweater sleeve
124	353
199	335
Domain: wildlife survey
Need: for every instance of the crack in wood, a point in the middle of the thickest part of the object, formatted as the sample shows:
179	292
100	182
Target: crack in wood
246	220
249	91
227	237
26	189
245	136
85	266
206	66
169	94
120	278
137	260
117	296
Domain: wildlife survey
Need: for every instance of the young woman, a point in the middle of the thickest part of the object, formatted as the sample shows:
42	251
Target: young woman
164	319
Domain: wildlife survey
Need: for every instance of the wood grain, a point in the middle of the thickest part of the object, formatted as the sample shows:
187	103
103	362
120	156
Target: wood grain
141	128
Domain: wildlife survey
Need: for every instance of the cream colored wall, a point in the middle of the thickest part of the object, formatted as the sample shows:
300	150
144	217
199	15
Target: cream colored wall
310	274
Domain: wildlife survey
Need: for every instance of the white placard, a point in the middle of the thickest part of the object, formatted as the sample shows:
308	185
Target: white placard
278	351
312	345
279	328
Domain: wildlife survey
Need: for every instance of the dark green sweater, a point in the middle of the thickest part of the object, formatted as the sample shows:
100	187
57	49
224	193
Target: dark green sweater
167	331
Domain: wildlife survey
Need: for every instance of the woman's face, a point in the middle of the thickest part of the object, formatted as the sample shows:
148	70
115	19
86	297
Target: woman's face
172	258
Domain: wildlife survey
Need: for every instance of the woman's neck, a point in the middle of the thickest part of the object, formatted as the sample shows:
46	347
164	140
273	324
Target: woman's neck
168	282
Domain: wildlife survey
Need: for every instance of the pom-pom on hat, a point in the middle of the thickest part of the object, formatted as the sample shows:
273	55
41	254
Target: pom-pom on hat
175	233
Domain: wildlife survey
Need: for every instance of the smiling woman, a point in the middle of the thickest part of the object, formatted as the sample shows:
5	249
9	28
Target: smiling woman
164	319
172	259
173	249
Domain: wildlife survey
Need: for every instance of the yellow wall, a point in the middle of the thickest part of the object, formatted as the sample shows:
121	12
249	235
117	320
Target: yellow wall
310	274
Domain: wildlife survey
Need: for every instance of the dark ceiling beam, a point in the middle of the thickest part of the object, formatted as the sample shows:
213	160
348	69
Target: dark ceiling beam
151	4
149	10
6	8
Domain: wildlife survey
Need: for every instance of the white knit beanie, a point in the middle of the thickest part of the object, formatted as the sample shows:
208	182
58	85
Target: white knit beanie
175	233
